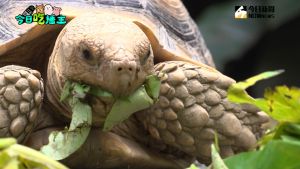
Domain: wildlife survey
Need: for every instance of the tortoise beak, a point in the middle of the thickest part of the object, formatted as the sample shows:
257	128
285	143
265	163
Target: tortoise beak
122	79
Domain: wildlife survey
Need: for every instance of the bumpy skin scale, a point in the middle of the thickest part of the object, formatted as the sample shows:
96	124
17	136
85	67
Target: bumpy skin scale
192	105
21	95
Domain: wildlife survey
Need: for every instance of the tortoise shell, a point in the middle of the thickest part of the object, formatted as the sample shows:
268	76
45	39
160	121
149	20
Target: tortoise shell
167	23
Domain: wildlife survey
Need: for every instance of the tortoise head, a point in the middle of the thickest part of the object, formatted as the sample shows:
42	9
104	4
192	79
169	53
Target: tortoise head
103	51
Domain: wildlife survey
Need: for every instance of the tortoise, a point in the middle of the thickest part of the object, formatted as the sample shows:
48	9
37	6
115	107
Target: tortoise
115	45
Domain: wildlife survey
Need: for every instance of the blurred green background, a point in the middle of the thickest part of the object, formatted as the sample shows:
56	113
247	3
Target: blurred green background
243	48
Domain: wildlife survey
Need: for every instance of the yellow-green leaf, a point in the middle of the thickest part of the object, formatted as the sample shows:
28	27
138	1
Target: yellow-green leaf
152	86
4	158
19	156
284	104
217	161
6	142
251	81
237	91
35	158
96	91
64	143
276	154
80	90
66	91
237	94
13	163
124	107
193	166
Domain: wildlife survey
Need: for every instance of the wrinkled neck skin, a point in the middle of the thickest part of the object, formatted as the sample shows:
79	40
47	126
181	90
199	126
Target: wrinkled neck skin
54	87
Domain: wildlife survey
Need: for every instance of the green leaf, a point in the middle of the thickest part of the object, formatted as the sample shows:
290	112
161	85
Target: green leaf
236	92
284	104
251	81
281	146
80	90
293	129
4	158
124	107
96	91
288	138
6	142
217	161
193	166
285	131
33	157
277	154
63	143
152	86
216	141
81	117
13	163
142	98
65	91
19	156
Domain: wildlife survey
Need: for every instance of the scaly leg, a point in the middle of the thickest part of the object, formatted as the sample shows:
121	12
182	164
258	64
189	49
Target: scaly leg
21	94
192	105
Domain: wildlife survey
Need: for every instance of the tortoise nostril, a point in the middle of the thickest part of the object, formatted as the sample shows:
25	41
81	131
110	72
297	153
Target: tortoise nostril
121	67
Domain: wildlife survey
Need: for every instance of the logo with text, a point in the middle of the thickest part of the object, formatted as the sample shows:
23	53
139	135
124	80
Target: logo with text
240	12
245	12
42	15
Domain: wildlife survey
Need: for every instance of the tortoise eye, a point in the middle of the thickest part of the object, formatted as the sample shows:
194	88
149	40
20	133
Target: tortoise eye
86	54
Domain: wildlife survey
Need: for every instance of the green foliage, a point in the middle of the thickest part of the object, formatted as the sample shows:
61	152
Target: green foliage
281	146
152	86
98	92
6	142
63	143
193	166
217	161
283	104
237	93
124	107
15	156
276	154
142	98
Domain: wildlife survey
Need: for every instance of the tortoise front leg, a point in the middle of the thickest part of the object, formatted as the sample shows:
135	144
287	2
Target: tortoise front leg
21	93
193	105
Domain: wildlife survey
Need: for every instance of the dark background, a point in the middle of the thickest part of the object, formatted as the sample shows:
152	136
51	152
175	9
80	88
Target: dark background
243	48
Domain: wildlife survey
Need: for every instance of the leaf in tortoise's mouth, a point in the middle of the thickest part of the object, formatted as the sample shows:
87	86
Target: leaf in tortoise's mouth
64	143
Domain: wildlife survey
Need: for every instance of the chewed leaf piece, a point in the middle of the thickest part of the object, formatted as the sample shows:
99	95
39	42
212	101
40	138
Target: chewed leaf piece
141	99
124	107
64	143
